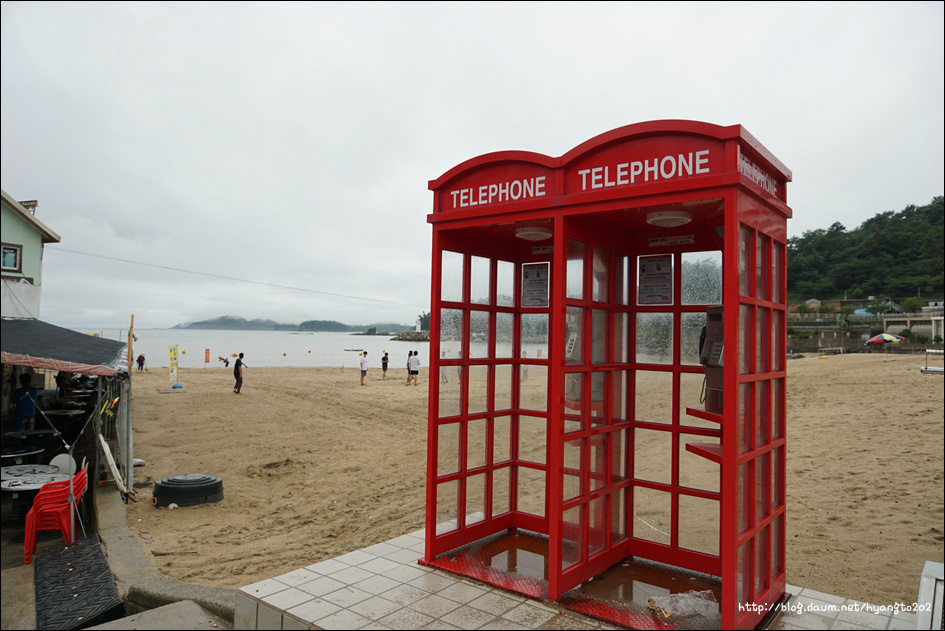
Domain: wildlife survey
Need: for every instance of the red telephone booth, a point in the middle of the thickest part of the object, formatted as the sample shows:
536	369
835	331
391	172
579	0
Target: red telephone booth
571	399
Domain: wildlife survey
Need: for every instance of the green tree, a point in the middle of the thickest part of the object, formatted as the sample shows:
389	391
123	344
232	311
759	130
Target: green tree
424	321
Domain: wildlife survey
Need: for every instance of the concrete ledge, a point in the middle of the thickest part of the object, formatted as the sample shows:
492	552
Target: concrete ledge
185	614
139	584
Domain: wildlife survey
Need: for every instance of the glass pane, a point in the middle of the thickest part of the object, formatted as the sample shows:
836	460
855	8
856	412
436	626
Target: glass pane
573	402
475	443
619	401
690	396
618	516
479	283
501	439
500	491
451	276
479	342
598	407
654	338
597	462
777	547
535	284
478	389
744	417
699	524
762	414
597	528
653	398
475	499
743	489
762	337
696	472
745	339
653	455
532	439
575	274
502	393
702	278
450	391
574	340
777	464
533	393
690	331
777	418
447	499
599	341
777	275
761	561
535	334
762	486
573	466
572	532
652	515
745	277
531	491
620	350
600	276
505	284
744	556
447	449
762	267
623	281
451	333
504	323
777	340
618	456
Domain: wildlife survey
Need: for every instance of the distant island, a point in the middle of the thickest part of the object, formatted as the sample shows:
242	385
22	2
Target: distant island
231	323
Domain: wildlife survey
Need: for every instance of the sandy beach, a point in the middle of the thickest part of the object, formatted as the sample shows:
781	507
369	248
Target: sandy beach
315	466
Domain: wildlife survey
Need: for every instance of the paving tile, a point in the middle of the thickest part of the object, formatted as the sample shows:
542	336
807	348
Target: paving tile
355	558
405	594
468	618
344	619
381	549
264	588
462	592
287	599
297	577
439	625
568	621
529	615
406	556
268	617
379	565
405	541
435	606
347	596
404	573
433	582
313	610
292	624
244	612
406	618
375	607
495	603
377	584
321	586
351	575
327	567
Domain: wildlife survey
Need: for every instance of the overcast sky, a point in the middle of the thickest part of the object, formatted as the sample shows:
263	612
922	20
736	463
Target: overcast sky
290	145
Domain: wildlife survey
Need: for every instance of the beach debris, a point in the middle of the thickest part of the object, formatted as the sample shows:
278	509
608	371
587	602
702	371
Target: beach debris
692	603
189	489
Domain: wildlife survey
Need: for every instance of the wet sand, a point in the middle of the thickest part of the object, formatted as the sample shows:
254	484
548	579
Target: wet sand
315	466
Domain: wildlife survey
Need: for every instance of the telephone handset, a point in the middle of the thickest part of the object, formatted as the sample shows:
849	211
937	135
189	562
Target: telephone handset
711	345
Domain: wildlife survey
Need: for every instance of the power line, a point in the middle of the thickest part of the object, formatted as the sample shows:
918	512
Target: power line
238	280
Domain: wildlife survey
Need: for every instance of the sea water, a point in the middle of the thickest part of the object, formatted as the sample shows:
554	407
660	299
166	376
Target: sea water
264	348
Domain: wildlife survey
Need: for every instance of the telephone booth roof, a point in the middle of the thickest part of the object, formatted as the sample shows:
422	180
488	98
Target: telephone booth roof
643	161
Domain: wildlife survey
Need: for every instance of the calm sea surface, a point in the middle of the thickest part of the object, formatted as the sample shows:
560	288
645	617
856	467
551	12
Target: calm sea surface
265	348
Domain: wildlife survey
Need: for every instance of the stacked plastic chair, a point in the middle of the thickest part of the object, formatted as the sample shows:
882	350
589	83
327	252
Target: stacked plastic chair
52	510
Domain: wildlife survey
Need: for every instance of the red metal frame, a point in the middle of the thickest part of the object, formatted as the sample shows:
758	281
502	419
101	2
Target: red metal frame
484	477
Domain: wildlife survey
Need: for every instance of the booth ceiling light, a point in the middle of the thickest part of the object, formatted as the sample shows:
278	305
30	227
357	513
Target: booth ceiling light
669	218
533	233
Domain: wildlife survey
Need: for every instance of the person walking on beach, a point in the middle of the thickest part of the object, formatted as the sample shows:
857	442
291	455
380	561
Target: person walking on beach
140	363
384	361
363	366
413	369
238	373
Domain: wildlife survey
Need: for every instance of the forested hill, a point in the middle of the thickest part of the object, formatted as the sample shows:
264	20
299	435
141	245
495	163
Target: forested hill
894	254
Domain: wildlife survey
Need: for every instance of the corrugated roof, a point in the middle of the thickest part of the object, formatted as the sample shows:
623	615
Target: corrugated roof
42	345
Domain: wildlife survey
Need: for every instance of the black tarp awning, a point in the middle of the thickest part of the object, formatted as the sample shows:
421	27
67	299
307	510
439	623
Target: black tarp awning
42	345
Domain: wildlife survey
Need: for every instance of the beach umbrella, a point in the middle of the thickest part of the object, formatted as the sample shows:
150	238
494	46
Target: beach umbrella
883	338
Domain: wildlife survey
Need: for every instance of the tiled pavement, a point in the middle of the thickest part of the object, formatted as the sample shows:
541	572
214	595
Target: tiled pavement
383	587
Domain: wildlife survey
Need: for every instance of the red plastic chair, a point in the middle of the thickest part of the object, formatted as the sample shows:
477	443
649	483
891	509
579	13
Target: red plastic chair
52	510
